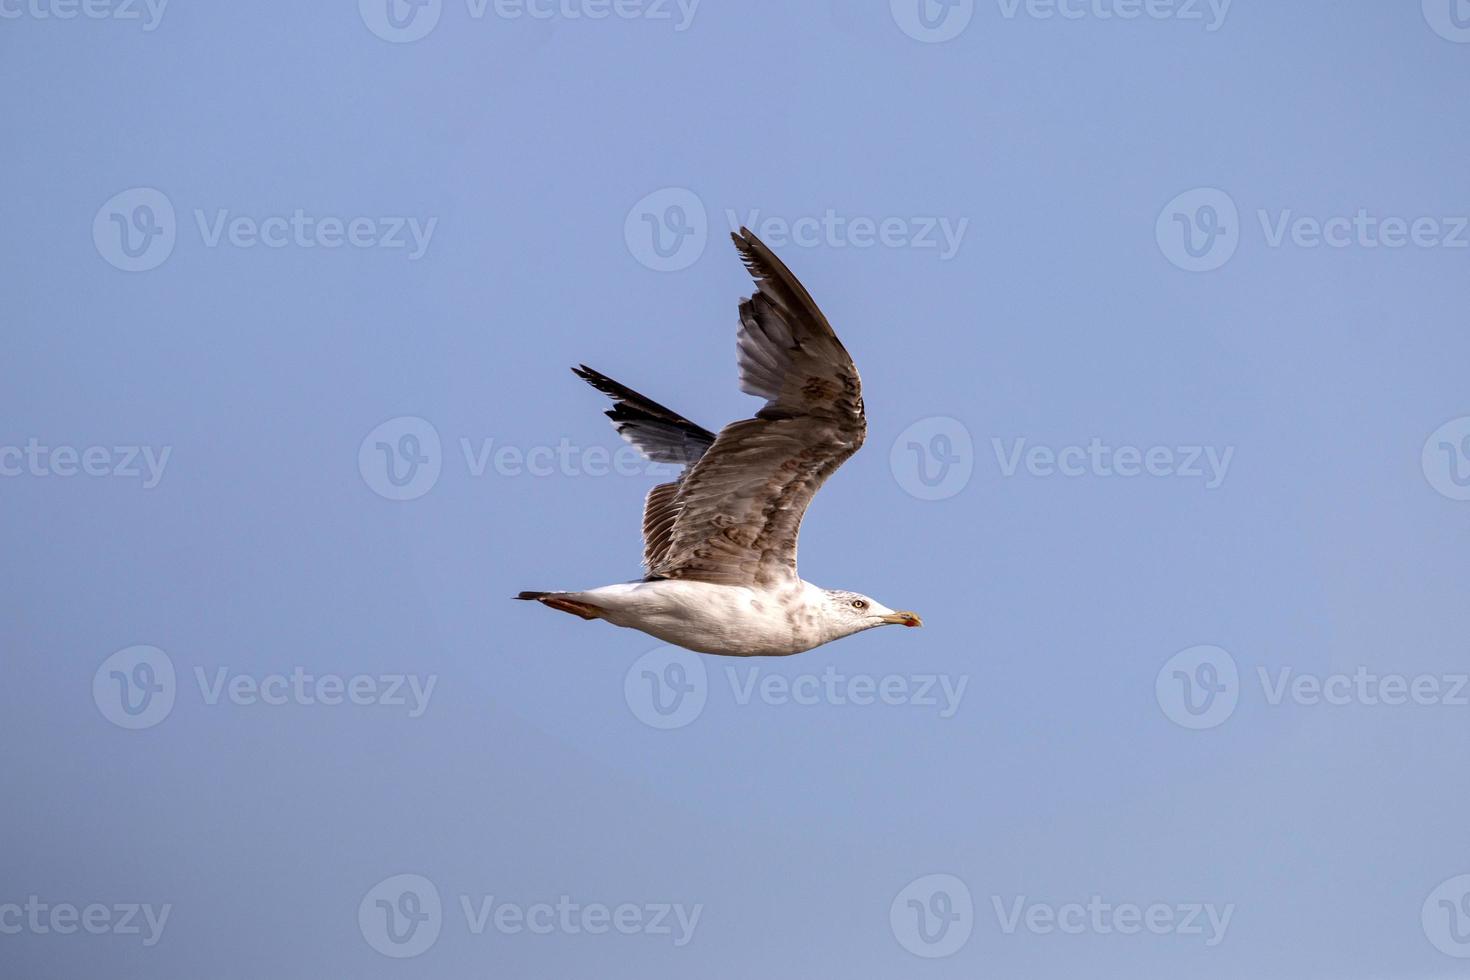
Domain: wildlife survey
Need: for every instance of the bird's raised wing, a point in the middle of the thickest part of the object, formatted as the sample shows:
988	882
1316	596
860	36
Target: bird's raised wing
736	512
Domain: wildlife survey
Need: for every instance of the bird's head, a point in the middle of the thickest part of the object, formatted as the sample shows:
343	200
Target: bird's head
854	612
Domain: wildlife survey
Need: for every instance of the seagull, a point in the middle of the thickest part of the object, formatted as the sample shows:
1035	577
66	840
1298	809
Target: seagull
719	542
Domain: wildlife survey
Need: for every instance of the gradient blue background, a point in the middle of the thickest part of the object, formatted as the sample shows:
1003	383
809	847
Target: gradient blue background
1060	319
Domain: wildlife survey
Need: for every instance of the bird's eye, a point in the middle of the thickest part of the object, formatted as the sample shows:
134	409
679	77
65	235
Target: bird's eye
859	604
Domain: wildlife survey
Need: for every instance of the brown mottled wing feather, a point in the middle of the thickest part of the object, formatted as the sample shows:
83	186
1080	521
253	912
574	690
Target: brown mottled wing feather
659	511
737	511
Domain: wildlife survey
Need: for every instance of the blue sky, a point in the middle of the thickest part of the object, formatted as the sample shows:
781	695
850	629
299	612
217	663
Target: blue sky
1160	312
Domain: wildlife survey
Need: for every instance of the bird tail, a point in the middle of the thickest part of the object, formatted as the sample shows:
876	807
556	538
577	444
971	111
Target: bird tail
559	600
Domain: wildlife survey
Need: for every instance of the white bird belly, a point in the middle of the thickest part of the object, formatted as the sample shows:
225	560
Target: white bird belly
725	619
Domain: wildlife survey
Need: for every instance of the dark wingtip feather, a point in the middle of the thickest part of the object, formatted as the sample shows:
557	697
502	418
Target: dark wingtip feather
777	282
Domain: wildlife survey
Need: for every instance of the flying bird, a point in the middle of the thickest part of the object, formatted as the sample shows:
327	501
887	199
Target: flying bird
719	542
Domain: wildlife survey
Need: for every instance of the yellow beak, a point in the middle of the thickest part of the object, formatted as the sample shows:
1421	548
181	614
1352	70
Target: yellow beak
903	618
